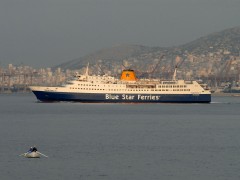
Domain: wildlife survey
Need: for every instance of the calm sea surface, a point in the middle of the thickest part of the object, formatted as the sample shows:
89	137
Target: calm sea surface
120	141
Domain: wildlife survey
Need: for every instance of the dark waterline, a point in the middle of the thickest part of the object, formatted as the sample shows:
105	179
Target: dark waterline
120	141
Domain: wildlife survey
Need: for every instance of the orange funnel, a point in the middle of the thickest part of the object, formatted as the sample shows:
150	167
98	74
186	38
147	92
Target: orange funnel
128	75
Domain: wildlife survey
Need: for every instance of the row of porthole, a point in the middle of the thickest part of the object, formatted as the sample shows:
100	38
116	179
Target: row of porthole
93	85
175	86
178	86
134	89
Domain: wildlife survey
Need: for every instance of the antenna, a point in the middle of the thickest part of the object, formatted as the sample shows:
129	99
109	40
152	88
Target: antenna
86	73
174	74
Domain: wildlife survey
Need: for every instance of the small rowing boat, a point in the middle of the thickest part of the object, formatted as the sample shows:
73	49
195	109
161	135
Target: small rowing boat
32	155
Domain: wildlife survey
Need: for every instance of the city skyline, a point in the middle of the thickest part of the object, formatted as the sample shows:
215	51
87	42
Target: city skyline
47	33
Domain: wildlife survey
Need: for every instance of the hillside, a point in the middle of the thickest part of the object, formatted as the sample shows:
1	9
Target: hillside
109	55
228	39
216	54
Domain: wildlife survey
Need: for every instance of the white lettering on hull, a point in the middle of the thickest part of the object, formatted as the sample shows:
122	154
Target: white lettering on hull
111	96
148	97
132	97
128	97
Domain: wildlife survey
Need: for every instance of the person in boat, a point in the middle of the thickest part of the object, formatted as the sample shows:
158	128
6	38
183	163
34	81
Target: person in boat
30	150
34	149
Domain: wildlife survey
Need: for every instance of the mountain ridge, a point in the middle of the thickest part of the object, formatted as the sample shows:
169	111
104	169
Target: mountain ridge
226	43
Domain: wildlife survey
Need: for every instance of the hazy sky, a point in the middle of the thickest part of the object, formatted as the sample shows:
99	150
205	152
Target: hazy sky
44	33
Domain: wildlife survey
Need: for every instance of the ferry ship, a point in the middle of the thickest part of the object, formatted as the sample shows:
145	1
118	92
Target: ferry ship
127	89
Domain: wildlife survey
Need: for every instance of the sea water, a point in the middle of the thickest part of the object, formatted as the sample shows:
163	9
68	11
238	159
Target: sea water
120	141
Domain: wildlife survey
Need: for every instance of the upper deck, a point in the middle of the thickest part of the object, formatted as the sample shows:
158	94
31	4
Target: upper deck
127	84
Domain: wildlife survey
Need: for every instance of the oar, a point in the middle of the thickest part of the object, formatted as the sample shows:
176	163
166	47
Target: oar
41	154
23	154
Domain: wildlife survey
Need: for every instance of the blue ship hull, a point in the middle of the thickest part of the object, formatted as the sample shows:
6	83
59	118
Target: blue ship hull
46	96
